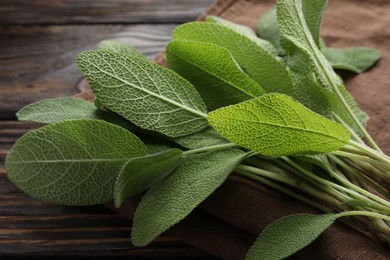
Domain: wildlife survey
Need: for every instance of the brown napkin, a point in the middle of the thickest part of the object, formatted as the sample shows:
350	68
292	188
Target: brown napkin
226	224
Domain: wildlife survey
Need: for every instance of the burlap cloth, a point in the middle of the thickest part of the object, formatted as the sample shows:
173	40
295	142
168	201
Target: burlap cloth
226	224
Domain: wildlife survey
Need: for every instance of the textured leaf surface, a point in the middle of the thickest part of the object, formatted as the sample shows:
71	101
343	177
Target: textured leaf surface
66	108
72	162
119	47
309	93
277	125
268	29
213	71
57	109
313	11
353	59
145	93
169	201
265	68
289	234
140	173
293	26
245	31
340	110
204	138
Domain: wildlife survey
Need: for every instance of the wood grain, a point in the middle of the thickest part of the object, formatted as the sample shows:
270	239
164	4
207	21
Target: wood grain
38	42
33	227
100	11
38	62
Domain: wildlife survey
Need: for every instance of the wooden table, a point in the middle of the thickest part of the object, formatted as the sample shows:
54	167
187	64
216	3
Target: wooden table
38	42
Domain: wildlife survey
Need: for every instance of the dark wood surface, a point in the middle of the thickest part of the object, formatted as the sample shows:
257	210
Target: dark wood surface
38	42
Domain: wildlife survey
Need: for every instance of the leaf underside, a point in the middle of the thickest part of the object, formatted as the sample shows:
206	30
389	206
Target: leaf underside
72	162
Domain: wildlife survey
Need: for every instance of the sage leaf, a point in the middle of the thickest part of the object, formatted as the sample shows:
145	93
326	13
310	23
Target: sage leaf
245	31
203	138
155	142
138	174
293	27
265	68
267	28
289	234
119	47
72	162
54	110
340	110
173	198
277	125
213	71
144	93
356	59
310	94
313	10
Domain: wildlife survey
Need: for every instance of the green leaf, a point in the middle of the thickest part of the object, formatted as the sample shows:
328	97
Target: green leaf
155	142
72	162
204	138
277	125
119	47
213	71
293	27
310	94
289	234
243	30
268	29
169	201
266	69
313	11
53	110
340	110
354	59
144	93
140	173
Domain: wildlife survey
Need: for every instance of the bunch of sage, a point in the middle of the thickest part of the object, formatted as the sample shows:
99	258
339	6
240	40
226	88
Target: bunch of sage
271	109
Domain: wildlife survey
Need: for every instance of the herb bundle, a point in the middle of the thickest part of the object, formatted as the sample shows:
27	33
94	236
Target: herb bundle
271	109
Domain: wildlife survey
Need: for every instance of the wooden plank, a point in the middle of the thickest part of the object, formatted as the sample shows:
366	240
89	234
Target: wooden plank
33	227
42	58
100	11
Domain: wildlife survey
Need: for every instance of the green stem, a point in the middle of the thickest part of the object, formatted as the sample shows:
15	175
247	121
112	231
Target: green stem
360	190
283	189
351	131
330	76
363	213
363	178
381	165
336	186
209	148
373	153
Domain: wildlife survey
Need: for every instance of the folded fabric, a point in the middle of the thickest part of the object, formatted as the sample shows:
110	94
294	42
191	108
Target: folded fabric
226	224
